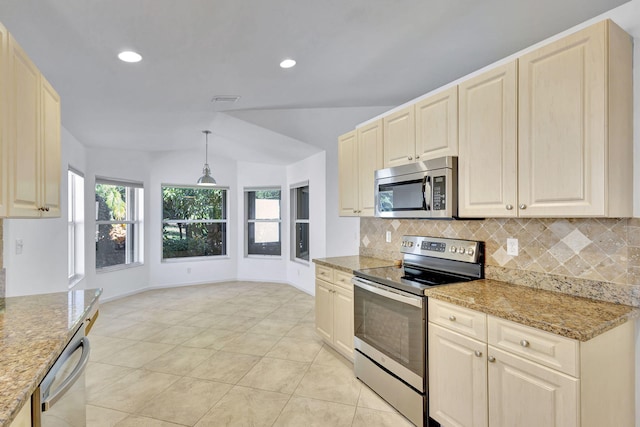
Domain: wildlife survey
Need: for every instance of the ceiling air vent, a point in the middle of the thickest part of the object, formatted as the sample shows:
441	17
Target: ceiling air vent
225	98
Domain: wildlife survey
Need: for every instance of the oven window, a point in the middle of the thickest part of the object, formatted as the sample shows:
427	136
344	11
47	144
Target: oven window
394	328
402	196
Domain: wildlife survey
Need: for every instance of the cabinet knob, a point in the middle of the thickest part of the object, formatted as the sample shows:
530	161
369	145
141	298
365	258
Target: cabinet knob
417	157
410	158
523	206
478	353
509	207
524	343
491	359
452	318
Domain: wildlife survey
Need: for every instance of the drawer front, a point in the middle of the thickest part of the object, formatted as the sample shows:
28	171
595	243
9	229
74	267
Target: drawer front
342	279
542	347
460	319
324	273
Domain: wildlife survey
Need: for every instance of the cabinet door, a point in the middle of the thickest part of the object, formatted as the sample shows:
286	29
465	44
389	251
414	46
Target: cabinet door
562	128
369	160
324	310
457	379
437	125
487	164
343	321
24	135
399	138
4	118
348	174
50	150
525	394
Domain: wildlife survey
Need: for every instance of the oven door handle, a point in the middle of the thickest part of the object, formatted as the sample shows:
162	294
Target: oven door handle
386	292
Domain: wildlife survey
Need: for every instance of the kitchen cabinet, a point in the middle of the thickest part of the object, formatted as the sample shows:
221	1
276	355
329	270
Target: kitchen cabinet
359	156
484	370
334	309
399	137
573	120
23	419
31	139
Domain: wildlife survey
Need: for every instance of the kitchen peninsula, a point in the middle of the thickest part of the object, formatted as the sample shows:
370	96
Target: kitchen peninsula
33	332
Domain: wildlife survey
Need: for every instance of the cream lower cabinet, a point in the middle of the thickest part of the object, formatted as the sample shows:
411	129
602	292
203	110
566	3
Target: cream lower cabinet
359	156
334	309
23	419
485	370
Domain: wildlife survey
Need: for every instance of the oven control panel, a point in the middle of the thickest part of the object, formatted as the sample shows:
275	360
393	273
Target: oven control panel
437	247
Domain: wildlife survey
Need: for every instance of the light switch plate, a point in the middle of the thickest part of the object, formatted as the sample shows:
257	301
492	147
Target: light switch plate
388	237
512	247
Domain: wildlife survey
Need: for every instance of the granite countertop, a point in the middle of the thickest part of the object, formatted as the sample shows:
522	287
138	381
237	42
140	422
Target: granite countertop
33	332
349	264
566	315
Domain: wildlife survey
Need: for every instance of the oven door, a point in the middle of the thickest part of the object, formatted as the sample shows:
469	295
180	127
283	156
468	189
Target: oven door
389	327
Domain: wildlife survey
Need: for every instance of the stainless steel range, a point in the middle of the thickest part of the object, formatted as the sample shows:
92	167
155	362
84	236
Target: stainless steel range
390	315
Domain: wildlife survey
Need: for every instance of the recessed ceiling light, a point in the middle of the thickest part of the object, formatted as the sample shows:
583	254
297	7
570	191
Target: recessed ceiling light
287	63
130	56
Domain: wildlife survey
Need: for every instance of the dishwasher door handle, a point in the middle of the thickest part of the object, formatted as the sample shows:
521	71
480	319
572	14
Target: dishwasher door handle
77	372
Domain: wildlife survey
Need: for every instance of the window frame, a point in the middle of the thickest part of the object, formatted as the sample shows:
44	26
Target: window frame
248	221
75	226
225	221
295	221
135	210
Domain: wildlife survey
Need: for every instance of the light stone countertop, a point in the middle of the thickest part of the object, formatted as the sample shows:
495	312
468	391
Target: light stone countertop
349	264
33	332
562	314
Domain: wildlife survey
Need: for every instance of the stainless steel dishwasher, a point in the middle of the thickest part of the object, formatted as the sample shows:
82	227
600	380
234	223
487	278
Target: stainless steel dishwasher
60	398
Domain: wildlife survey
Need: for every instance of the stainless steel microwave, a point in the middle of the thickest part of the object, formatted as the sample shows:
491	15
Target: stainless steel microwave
427	189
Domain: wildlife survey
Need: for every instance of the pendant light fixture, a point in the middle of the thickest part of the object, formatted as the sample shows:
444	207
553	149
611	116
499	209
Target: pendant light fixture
206	178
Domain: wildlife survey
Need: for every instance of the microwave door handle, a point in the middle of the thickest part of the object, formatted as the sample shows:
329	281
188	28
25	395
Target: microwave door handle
426	193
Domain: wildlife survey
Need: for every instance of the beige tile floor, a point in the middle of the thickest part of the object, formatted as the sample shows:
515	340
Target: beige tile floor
227	354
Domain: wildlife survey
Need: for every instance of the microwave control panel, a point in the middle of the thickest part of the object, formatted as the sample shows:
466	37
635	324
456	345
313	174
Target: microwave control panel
439	190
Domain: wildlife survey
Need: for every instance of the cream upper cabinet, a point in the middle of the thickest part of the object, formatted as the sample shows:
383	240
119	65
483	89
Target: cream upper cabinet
575	125
488	177
32	142
370	159
348	174
399	137
437	125
359	156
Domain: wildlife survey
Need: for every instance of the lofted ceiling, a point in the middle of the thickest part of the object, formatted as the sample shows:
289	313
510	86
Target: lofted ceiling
356	58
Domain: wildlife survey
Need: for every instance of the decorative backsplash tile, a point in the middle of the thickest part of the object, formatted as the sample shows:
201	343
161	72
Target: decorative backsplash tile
596	250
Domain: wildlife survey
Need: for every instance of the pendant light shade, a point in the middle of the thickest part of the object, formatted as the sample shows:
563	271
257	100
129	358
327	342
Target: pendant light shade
206	178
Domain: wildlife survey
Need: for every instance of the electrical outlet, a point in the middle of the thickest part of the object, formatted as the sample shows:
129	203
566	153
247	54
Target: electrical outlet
388	237
19	246
188	270
512	247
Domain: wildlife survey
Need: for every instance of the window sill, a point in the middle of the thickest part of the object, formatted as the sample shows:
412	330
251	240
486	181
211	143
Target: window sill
118	267
273	257
194	259
301	261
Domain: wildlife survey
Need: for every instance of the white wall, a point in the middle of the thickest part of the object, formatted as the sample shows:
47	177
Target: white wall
42	266
256	268
312	169
184	168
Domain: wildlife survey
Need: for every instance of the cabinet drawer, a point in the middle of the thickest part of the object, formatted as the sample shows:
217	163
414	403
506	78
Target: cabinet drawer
324	273
342	279
545	348
468	322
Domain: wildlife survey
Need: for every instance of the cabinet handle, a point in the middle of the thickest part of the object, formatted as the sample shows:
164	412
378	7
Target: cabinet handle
524	343
410	158
417	157
452	318
491	359
509	207
478	353
523	206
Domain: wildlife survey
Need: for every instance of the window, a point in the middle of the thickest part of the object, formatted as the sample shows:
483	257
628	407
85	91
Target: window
75	213
262	208
119	233
194	222
300	222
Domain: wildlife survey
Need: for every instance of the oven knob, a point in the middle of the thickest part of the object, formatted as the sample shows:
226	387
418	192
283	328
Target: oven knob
470	251
461	250
452	249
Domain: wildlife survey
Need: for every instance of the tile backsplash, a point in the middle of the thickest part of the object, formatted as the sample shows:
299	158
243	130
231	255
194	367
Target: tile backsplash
598	251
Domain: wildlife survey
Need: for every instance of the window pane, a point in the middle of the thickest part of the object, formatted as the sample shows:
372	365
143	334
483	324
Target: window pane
111	202
263	204
264	238
193	240
302	203
111	242
302	241
193	203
